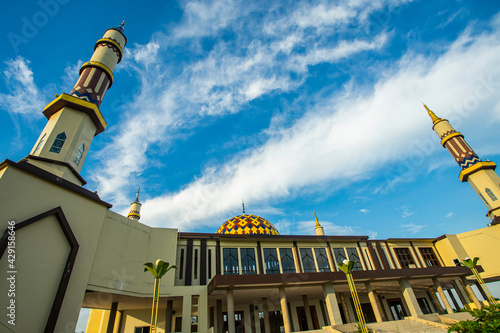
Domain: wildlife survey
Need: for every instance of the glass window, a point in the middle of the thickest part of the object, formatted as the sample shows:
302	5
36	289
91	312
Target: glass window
248	261
429	256
404	257
352	255
322	260
492	195
339	255
307	261
230	261
58	143
79	154
42	139
271	260
287	262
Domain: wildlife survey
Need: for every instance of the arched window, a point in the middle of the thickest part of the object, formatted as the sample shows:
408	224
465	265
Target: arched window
492	195
79	154
42	139
58	143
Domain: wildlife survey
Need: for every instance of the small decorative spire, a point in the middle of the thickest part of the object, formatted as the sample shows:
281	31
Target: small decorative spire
137	196
243	204
435	119
317	222
121	27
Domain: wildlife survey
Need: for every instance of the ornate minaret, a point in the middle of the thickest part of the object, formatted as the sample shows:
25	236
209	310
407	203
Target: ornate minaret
319	229
480	174
74	120
135	208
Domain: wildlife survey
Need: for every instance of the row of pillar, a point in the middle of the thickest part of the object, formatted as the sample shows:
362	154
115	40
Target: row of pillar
333	316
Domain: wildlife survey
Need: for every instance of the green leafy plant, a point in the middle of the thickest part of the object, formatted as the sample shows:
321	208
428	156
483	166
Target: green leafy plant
487	321
158	271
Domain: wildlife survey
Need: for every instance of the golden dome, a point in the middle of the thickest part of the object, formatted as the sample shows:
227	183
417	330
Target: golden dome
247	225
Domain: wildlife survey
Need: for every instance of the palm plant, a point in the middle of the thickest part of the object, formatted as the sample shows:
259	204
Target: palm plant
471	264
158	271
346	266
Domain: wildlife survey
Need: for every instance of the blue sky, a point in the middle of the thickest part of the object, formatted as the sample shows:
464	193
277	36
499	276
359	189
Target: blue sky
294	107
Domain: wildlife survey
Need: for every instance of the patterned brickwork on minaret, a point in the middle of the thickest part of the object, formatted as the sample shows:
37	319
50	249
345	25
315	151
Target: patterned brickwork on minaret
74	120
479	174
96	76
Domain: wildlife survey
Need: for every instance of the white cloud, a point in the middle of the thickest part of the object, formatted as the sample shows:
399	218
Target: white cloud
330	229
325	146
412	228
25	99
406	212
450	214
364	211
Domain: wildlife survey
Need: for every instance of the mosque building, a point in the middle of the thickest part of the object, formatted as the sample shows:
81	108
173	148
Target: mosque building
72	251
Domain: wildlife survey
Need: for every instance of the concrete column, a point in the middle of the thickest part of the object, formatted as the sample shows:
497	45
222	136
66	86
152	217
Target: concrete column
453	300
219	320
112	317
461	292
310	325
469	290
435	300
440	291
203	312
373	302
168	316
345	308
332	305
186	313
349	306
265	309
230	312
409	296
284	310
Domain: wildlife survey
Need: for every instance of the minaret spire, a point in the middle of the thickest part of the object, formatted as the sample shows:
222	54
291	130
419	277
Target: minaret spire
135	208
319	229
74	119
243	205
479	174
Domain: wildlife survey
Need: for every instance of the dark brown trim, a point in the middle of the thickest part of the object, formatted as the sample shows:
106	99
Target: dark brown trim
45	175
217	258
65	100
49	160
297	255
290	279
277	238
496	220
203	262
329	247
391	257
259	258
70	262
410	239
417	255
361	257
112	317
376	263
189	263
382	256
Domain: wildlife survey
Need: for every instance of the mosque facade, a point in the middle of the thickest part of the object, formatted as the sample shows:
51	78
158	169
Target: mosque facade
72	251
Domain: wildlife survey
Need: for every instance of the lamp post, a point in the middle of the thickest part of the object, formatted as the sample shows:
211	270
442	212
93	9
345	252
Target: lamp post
346	266
158	271
471	264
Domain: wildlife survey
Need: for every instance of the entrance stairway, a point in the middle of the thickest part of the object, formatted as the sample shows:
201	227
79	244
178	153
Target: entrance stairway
424	324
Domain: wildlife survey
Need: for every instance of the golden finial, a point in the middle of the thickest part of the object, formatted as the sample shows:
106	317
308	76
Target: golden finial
435	119
317	222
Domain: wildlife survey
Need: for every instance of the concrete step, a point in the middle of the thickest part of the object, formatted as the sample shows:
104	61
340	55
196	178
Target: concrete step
408	325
